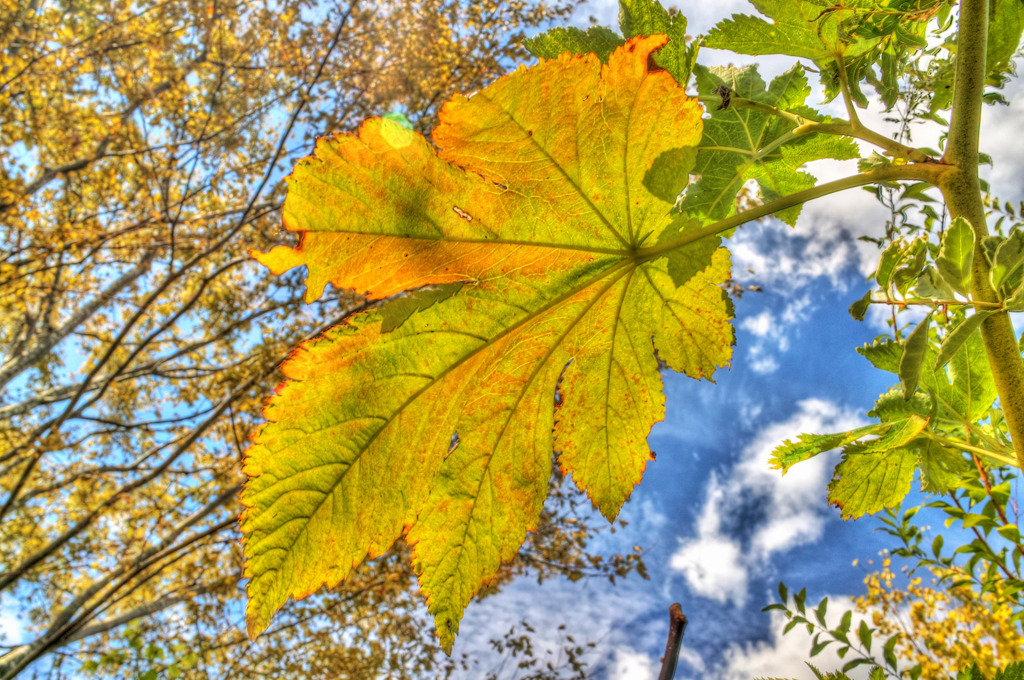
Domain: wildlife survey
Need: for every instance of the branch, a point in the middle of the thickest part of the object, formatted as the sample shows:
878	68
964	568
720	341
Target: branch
961	190
928	172
15	365
677	626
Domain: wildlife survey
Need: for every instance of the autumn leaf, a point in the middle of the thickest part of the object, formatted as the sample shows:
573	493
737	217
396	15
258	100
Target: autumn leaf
439	421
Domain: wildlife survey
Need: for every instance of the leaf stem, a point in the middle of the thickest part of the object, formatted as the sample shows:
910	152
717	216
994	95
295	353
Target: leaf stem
961	190
844	84
677	626
937	303
963	446
858	131
842	128
928	172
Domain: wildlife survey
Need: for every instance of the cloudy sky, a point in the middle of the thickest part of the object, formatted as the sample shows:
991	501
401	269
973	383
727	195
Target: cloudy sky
719	528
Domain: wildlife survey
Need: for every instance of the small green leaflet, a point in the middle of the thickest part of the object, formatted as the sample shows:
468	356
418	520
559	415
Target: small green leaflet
789	453
914	349
859	309
930	284
884	354
956	254
955	339
887	263
1008	265
741	144
1006	22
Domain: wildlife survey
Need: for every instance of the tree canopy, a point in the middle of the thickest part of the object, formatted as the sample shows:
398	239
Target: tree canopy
143	148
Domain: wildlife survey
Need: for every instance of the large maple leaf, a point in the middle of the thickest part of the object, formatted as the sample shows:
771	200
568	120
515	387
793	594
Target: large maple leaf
438	420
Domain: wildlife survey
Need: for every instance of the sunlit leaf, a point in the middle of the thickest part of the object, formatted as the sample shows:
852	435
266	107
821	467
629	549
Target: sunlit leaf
443	428
915	348
955	255
648	17
741	144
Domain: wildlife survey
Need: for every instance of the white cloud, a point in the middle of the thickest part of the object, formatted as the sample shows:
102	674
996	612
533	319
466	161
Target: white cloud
1001	124
725	550
760	362
629	664
773	334
761	325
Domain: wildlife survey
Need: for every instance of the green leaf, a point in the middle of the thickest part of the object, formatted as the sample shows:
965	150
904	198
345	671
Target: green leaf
800	28
890	257
1010	532
910	266
864	634
878	473
1006	22
1014	671
972	389
884	354
1007	272
741	144
955	255
900	433
789	453
958	336
930	284
844	623
891	407
914	349
860	661
357	450
648	17
596	39
816	649
820	611
941	468
867	482
860	308
889	650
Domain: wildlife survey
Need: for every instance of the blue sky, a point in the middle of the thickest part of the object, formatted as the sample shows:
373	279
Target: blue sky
719	528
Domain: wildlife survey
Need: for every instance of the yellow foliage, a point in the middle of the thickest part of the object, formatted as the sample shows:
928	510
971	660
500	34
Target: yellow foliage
946	624
143	148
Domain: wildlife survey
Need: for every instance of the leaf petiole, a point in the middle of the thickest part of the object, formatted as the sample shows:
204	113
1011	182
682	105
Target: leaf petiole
841	128
998	457
927	172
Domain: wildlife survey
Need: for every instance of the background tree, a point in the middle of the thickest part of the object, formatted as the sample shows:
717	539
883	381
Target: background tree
142	151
